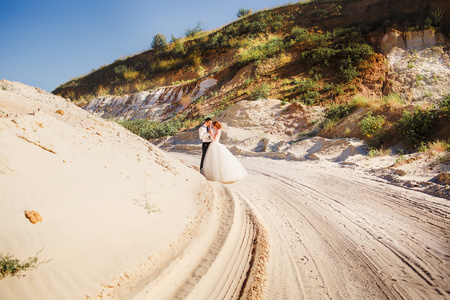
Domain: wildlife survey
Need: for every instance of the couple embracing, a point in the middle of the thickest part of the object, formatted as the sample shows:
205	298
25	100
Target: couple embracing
217	162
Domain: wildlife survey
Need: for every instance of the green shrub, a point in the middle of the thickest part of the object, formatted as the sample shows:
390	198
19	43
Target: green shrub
262	92
422	147
308	91
192	32
348	73
11	266
257	26
319	39
217	41
168	128
327	87
120	69
357	52
345	48
178	49
338	90
445	104
261	24
319	13
311	97
159	42
306	85
337	112
417	126
150	129
321	55
372	125
299	34
243	12
373	128
261	51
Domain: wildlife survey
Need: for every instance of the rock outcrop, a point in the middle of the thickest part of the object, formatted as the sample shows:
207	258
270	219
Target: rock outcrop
412	40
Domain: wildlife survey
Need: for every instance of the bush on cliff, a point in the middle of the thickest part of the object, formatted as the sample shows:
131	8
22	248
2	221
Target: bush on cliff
417	126
151	129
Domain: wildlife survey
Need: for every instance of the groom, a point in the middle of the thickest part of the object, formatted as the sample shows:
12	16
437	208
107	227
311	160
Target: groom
204	133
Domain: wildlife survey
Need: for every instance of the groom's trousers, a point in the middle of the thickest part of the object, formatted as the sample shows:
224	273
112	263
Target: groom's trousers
204	149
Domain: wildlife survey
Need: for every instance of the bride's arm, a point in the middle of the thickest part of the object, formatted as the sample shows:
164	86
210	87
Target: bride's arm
216	135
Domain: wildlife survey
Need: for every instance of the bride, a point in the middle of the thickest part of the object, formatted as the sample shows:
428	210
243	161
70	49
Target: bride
220	164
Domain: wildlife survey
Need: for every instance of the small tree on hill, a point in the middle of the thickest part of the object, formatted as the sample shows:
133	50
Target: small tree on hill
192	32
243	12
159	42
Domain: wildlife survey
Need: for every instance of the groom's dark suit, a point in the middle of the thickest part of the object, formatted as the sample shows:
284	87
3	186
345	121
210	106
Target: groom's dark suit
206	140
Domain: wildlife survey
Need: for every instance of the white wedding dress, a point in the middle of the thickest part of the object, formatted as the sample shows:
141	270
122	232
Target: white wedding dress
220	164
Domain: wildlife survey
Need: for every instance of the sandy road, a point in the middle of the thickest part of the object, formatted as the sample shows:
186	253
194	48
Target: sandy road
337	233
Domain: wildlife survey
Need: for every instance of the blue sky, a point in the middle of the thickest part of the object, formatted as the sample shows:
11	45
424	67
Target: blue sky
47	43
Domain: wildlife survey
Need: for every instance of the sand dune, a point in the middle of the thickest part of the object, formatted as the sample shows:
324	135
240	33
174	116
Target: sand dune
120	218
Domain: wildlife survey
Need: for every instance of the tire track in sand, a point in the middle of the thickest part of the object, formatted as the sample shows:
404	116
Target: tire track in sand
336	233
361	238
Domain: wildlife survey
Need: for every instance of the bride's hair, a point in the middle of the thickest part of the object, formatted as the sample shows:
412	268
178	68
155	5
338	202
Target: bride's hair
217	124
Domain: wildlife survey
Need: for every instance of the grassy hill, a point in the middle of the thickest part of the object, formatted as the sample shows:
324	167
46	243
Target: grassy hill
316	53
324	40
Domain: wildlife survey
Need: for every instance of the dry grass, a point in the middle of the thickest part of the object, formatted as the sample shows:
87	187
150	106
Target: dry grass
379	152
188	124
101	90
329	124
362	102
393	98
119	90
185	100
165	65
347	131
438	146
391	102
131	75
141	86
443	178
81	102
196	59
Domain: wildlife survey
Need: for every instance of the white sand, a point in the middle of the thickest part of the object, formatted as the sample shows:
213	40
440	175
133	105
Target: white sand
337	233
92	182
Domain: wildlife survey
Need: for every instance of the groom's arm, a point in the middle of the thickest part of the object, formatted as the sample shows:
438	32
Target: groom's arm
202	132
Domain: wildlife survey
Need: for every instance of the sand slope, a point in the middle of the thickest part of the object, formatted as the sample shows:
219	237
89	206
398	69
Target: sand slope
121	219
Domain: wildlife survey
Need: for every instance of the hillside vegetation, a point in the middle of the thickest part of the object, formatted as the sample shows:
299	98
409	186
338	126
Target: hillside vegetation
316	53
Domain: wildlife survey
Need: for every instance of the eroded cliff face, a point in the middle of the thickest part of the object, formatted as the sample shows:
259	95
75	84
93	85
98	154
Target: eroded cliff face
411	40
419	65
155	104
